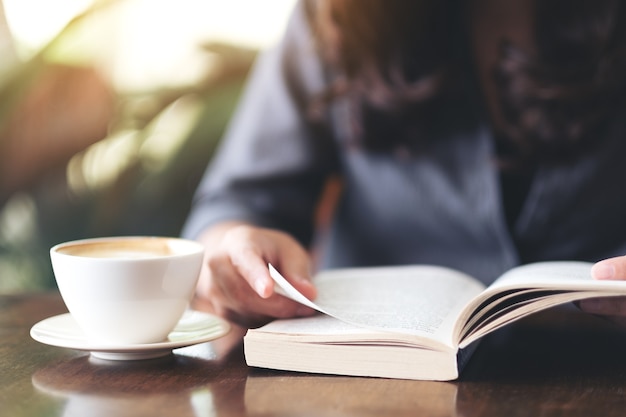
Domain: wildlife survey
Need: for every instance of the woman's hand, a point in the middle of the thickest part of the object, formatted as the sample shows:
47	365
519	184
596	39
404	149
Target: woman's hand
235	278
611	307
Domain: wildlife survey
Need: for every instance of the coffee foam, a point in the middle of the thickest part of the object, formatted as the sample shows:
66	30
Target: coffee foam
123	248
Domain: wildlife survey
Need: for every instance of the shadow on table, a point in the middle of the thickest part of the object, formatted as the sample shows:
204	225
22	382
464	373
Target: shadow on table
562	361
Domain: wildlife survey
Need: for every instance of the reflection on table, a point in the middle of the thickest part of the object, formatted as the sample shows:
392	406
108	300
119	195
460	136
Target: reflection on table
561	362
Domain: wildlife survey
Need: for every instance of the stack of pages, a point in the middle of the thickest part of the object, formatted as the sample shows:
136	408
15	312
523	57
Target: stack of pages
410	322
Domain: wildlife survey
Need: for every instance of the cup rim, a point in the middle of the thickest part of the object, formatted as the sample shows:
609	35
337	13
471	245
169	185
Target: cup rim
194	246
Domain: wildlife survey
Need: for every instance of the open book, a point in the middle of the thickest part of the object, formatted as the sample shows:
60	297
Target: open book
410	322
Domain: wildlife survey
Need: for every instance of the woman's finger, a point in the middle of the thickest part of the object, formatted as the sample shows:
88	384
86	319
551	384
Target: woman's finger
611	268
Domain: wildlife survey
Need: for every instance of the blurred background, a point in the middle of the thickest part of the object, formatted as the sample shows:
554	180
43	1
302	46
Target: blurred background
109	113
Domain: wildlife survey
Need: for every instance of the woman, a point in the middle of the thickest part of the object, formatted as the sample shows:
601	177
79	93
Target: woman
473	134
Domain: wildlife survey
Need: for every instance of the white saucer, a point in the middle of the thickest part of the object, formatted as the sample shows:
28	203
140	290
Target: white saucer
195	327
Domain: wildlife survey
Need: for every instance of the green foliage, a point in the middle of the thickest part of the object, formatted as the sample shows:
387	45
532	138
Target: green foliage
145	196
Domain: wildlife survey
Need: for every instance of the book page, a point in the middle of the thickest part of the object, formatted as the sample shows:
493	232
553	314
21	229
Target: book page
527	289
322	328
547	274
318	325
420	300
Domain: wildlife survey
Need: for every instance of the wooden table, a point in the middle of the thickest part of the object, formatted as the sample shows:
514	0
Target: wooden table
555	363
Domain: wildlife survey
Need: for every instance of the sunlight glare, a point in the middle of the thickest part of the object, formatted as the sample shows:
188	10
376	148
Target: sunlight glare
159	41
101	164
154	42
169	131
33	23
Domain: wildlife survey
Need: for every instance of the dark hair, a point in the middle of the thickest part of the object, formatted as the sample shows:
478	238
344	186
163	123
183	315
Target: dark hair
398	62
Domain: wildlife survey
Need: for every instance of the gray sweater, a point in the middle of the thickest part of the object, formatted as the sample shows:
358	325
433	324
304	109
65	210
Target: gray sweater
441	207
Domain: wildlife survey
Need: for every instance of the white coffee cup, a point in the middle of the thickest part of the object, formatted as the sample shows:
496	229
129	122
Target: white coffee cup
127	290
